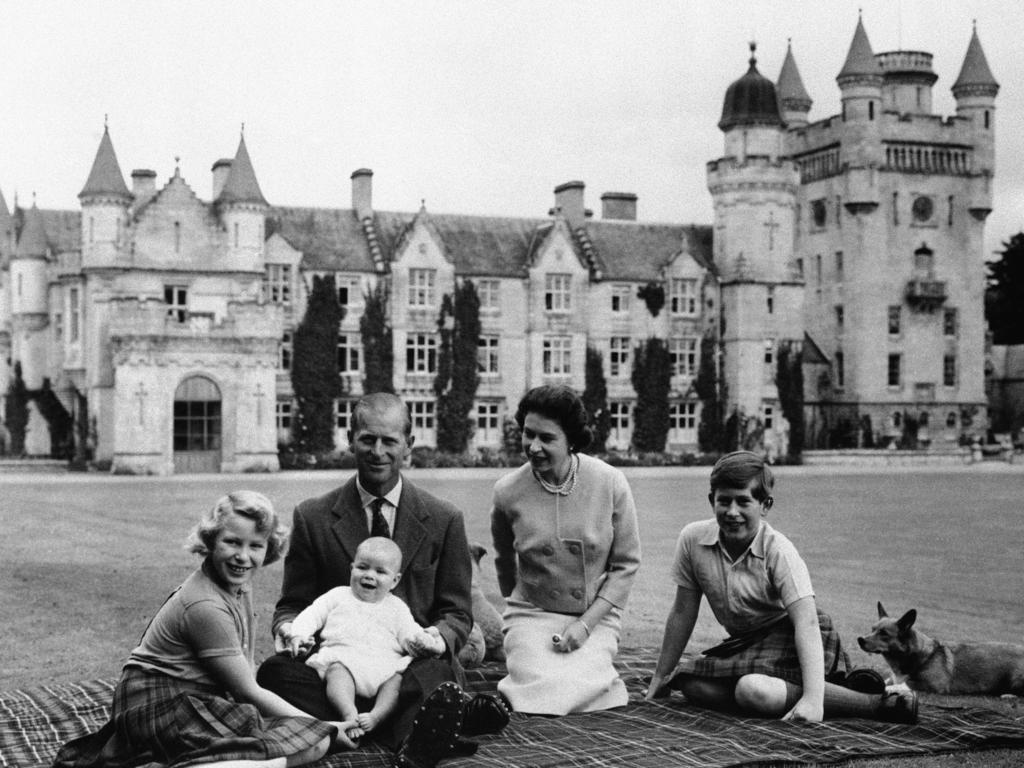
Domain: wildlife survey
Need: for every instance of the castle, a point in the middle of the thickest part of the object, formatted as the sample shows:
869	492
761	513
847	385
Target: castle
163	322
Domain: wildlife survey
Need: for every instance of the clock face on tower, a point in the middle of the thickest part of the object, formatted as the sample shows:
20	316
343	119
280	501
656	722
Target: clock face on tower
923	208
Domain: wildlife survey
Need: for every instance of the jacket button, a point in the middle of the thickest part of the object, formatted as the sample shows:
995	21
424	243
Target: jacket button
574	548
578	594
549	550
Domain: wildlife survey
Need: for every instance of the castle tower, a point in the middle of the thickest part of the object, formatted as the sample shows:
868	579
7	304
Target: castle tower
975	92
105	199
753	190
794	101
29	310
242	208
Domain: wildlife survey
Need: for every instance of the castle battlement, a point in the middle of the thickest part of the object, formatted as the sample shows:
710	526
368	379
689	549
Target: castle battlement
149	317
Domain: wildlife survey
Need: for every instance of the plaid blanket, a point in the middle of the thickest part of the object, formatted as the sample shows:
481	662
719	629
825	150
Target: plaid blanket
35	722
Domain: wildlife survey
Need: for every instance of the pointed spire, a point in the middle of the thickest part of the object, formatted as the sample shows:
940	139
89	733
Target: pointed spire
790	86
975	75
241	185
32	241
105	178
6	225
860	60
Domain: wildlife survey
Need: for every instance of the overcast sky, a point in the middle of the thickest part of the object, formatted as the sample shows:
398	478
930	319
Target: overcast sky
478	107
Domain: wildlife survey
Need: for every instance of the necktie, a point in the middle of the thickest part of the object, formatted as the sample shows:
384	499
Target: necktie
379	526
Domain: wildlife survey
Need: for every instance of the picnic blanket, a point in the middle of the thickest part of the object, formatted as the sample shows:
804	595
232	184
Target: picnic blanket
35	722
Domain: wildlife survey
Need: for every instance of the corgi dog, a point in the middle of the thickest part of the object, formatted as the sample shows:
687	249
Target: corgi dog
928	665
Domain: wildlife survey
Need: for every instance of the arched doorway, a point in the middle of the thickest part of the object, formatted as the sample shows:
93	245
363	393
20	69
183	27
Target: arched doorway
197	426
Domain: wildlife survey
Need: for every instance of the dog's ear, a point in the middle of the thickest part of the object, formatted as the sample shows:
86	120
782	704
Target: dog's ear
906	621
881	611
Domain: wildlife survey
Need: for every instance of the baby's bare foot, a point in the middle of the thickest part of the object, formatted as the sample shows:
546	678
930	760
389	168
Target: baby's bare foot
367	721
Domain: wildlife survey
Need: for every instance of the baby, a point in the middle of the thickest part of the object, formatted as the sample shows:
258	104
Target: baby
366	636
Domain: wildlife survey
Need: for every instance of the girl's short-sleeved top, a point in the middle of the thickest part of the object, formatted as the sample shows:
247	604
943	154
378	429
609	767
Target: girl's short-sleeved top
200	620
747	592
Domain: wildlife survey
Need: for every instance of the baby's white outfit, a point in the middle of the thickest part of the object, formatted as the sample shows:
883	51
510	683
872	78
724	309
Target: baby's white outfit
370	639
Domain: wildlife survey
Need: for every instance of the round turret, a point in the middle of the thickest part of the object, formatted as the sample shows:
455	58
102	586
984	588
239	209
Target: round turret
751	100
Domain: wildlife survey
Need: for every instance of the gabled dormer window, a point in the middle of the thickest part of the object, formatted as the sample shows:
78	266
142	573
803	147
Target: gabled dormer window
682	299
422	287
558	293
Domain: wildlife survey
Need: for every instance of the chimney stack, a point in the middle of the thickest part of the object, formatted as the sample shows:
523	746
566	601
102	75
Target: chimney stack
569	203
143	185
362	193
220	169
620	206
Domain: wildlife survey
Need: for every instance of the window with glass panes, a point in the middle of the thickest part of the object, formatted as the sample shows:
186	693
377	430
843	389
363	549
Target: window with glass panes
949	371
350	290
769	359
840	363
618	356
283	415
285	358
489	293
682	297
422	287
683	355
558	292
74	327
619	421
277	283
488	422
557	355
895	320
894	370
487	355
682	420
176	299
620	298
949	324
421	412
349	345
421	353
343	415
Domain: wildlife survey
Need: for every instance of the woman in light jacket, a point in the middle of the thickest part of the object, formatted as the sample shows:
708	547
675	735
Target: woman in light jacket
566	552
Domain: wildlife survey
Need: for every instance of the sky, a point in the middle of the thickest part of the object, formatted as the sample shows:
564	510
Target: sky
467	106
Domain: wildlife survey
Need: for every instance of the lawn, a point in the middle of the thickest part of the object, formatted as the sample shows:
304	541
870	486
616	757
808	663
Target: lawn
88	559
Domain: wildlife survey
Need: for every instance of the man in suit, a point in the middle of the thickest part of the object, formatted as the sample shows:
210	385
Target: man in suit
432	713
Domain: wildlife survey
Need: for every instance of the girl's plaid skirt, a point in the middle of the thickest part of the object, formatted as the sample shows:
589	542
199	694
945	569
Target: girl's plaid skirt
774	655
161	719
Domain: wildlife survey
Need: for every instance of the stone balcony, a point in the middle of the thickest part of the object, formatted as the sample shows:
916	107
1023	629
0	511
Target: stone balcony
926	295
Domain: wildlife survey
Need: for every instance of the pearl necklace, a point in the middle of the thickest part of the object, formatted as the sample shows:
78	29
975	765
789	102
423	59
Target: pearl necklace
568	486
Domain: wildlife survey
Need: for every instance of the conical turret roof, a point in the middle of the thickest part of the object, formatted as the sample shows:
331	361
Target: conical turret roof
241	185
6	224
32	241
105	178
860	60
790	86
975	71
751	100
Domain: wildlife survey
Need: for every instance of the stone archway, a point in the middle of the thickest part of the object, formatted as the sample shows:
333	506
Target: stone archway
197	426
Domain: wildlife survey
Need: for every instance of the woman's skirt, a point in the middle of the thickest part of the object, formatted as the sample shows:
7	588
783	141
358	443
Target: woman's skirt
542	680
774	654
161	719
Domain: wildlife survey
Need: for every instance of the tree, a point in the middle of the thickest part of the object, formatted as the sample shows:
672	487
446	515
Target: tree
710	431
595	399
1004	294
457	372
789	380
58	420
315	378
16	411
652	380
378	354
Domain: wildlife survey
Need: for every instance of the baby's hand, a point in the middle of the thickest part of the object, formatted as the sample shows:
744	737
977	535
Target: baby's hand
298	645
427	643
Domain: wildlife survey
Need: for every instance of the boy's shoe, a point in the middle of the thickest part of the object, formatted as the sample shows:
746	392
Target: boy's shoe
898	707
485	713
435	731
864	680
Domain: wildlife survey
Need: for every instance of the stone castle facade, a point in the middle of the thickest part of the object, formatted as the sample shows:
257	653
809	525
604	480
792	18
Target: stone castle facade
164	321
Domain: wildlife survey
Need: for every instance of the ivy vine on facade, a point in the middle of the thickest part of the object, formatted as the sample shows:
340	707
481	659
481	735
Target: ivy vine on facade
652	378
457	375
595	399
375	332
315	379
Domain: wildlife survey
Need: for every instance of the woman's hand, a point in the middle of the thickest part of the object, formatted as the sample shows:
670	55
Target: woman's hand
658	688
342	739
572	637
805	711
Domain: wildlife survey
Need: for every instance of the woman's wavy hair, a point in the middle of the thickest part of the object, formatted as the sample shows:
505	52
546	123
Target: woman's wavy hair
249	504
561	404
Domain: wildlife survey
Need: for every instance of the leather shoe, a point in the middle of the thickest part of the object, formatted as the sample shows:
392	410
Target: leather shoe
898	707
435	731
864	680
485	713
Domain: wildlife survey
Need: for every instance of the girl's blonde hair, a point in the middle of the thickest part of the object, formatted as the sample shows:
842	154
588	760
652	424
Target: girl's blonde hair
249	504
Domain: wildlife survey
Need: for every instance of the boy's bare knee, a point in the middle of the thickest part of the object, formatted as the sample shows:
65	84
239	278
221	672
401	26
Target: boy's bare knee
761	694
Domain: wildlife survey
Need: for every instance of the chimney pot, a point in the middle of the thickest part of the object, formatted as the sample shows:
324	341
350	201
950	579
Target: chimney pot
143	184
362	193
220	170
569	202
619	206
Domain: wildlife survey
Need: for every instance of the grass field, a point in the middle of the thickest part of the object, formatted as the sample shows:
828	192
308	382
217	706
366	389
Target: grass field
87	559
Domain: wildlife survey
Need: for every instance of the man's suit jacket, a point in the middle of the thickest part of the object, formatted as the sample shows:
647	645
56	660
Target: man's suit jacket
436	564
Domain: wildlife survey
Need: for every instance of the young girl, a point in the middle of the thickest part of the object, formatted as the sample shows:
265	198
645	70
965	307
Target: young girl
758	587
366	635
187	693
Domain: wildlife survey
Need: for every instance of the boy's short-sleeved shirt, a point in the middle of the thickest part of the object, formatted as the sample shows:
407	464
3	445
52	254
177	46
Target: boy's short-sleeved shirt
201	620
749	591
